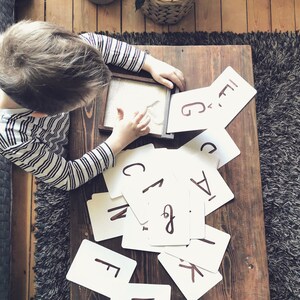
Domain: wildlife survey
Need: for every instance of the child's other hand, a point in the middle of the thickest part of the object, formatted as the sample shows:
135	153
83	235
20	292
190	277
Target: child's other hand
127	130
164	73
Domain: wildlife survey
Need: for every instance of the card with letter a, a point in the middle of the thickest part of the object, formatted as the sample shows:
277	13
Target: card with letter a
193	281
100	269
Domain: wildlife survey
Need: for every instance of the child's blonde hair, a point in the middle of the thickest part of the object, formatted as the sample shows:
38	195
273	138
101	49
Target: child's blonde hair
48	69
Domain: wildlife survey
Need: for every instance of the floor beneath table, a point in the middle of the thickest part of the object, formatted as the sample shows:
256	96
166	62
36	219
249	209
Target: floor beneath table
120	16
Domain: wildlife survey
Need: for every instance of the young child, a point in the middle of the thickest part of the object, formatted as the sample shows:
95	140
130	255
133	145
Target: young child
46	72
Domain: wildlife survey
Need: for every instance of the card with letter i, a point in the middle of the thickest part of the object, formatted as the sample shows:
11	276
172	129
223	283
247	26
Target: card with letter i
206	253
193	281
100	269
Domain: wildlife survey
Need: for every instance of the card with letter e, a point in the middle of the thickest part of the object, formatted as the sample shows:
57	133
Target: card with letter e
193	281
213	106
140	291
206	253
213	143
100	269
129	165
107	216
169	216
231	93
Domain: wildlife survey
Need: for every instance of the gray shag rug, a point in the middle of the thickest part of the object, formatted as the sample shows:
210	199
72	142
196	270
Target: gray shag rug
7	17
276	60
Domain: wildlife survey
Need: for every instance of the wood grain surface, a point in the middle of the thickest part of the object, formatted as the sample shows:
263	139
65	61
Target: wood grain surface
244	267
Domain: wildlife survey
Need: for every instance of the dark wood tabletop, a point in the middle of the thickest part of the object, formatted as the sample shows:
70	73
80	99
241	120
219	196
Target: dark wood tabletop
244	266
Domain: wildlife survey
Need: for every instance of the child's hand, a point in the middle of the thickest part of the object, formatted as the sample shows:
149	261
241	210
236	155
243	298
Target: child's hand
164	73
127	130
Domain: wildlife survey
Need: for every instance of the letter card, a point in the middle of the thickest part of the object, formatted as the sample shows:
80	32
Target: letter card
213	106
140	291
169	216
135	235
206	253
129	164
193	281
213	142
204	182
107	216
100	269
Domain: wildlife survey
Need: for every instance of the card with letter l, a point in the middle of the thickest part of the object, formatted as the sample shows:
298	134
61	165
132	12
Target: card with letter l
169	217
100	269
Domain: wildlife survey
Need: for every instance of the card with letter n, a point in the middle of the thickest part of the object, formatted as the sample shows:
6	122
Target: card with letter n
100	269
211	106
107	216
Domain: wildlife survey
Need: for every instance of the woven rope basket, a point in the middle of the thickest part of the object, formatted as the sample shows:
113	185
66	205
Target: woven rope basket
166	11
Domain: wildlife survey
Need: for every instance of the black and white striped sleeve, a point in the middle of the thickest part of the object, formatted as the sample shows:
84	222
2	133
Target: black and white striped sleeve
35	157
116	52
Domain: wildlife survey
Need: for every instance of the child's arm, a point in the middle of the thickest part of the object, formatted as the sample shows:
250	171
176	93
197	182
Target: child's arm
126	130
128	57
36	157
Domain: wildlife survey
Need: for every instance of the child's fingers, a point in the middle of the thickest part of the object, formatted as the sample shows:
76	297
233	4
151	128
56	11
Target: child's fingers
145	131
120	113
139	116
144	122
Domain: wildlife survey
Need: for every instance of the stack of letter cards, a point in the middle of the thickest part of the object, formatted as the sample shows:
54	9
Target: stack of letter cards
158	198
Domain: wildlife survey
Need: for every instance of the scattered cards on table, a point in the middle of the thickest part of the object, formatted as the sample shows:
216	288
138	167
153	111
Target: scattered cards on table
158	198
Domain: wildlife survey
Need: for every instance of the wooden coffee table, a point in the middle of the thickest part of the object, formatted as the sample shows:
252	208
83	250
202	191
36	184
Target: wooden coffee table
244	266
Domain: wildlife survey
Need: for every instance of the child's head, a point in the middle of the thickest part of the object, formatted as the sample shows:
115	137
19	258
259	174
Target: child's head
48	69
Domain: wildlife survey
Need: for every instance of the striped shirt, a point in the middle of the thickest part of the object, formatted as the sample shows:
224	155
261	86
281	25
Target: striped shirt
39	145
